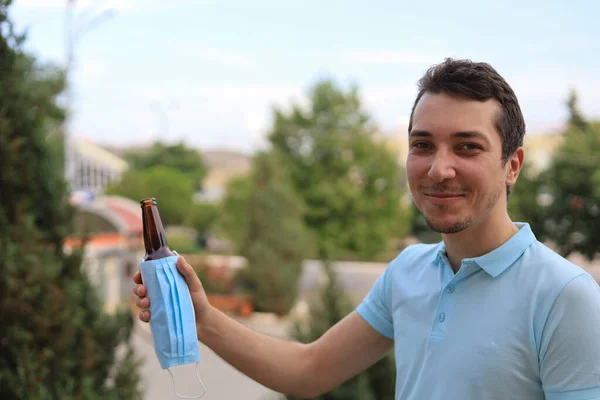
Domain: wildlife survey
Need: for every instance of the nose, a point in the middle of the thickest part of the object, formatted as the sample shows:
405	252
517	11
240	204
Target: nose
441	168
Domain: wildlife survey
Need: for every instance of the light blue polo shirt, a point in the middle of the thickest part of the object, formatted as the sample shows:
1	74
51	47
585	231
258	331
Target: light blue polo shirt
518	323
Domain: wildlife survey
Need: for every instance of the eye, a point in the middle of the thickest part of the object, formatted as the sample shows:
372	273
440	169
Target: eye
420	145
470	146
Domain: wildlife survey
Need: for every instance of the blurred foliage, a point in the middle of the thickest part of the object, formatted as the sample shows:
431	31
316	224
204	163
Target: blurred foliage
172	189
178	156
55	340
184	244
572	220
276	240
348	179
233	221
172	174
202	217
332	305
524	201
214	284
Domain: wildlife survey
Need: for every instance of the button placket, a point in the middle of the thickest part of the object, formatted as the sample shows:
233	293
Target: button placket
445	306
447	299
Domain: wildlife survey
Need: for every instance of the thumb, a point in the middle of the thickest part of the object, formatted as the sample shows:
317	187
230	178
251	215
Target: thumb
189	275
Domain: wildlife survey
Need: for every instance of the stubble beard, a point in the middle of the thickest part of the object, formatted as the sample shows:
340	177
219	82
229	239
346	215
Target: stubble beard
456	227
465	223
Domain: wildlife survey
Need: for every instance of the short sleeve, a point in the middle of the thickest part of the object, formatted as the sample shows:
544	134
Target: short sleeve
570	344
375	309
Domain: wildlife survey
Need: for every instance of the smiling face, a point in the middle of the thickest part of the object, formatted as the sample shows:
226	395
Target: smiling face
454	167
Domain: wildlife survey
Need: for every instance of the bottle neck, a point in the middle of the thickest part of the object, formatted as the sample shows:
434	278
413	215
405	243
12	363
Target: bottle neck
154	232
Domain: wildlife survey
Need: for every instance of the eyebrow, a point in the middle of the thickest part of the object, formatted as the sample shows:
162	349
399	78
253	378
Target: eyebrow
462	134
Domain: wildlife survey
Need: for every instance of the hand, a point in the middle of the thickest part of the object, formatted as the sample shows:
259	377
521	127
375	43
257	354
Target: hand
197	293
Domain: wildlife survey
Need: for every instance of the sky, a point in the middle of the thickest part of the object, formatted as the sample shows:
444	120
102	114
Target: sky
209	72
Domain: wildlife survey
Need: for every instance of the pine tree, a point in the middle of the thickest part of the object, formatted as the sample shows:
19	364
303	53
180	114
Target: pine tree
276	240
55	340
378	381
572	220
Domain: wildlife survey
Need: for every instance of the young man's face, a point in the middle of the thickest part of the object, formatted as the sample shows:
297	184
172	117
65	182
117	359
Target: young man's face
454	166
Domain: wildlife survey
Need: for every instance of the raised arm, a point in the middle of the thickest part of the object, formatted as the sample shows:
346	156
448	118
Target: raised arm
302	370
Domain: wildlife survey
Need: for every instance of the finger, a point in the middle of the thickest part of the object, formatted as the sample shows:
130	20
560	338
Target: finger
144	316
137	277
189	274
143	303
139	290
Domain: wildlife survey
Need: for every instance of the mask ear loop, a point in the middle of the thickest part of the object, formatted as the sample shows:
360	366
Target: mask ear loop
197	375
188	397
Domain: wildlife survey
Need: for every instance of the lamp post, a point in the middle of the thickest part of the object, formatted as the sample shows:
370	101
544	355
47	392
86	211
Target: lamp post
162	116
74	30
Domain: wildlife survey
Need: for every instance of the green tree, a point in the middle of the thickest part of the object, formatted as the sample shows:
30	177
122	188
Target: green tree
173	191
351	184
232	221
350	181
572	220
202	218
524	204
56	342
332	305
178	156
276	240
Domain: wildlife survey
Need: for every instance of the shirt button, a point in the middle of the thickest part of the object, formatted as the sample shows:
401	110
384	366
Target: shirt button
450	289
442	317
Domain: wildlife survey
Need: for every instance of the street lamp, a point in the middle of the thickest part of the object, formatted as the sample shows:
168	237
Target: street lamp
162	116
74	30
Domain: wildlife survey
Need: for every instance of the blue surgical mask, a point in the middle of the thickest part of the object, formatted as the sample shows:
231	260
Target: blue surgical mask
172	316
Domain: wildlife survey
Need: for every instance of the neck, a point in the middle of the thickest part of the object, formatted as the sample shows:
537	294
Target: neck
479	239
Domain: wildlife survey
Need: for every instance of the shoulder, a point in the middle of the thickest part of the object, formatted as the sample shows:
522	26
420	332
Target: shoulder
411	262
416	254
549	269
554	285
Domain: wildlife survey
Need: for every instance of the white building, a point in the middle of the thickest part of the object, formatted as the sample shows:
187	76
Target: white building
94	167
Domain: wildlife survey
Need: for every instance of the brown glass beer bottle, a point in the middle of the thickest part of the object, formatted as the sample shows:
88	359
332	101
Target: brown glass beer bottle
155	239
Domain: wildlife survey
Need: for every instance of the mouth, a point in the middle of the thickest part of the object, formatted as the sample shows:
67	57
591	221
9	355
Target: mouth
444	198
444	195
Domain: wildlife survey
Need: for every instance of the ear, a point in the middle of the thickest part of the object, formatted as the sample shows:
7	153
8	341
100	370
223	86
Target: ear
514	165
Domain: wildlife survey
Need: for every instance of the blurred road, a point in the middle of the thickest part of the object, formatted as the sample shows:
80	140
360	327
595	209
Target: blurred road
222	381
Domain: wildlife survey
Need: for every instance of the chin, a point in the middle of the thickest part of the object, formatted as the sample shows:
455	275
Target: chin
448	226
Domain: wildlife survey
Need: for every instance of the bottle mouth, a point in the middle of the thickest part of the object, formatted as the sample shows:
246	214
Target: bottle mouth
149	201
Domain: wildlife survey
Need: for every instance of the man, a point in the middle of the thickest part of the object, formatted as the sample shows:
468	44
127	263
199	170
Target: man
488	313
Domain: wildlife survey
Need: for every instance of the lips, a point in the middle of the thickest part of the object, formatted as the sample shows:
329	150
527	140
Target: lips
444	195
444	198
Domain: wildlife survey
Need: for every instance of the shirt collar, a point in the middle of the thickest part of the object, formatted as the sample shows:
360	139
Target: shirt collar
498	260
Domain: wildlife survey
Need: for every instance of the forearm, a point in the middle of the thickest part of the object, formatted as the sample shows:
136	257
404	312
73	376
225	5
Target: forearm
278	364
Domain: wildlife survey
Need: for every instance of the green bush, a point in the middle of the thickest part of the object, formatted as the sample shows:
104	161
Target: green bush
55	340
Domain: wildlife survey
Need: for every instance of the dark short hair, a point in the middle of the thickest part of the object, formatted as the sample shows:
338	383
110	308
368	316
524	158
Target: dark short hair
477	81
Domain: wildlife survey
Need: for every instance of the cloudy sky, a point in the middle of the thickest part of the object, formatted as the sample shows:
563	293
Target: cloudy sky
209	71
